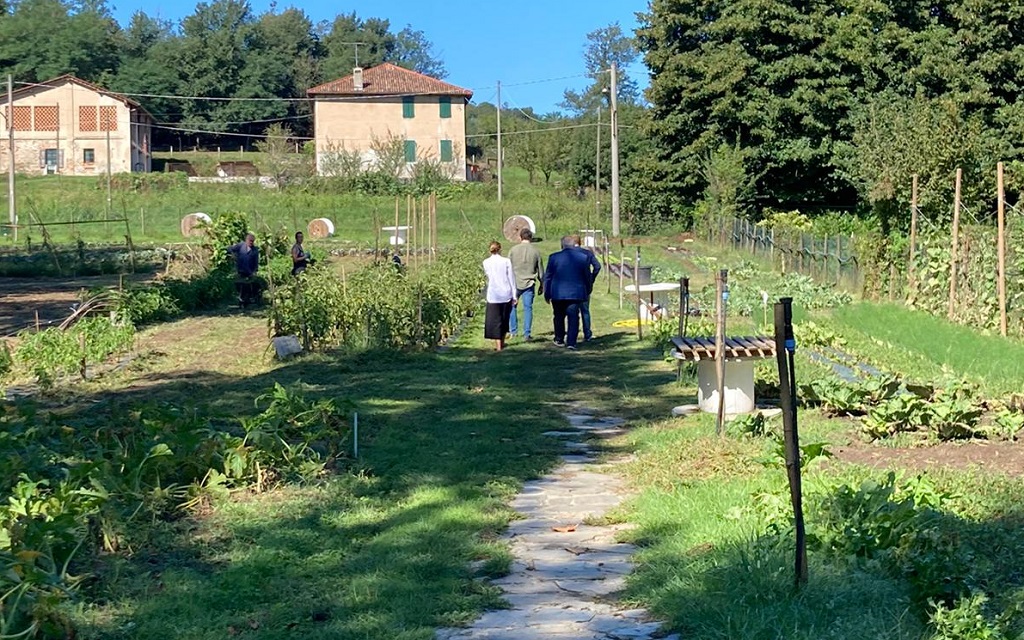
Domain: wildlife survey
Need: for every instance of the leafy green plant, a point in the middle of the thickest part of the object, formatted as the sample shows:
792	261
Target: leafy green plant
837	396
896	415
812	334
753	425
1006	424
966	620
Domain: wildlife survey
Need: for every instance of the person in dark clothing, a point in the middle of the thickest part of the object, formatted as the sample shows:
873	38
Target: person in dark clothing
568	280
300	257
595	265
247	262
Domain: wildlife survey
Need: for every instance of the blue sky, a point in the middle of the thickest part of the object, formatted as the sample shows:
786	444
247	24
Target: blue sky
480	43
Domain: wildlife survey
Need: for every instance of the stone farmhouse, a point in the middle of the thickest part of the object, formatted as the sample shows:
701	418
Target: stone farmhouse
73	127
387	115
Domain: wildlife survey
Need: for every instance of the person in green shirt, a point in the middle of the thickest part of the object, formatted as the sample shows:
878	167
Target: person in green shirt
528	270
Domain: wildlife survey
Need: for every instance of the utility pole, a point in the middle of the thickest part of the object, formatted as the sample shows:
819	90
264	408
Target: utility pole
597	170
615	151
11	209
499	141
109	202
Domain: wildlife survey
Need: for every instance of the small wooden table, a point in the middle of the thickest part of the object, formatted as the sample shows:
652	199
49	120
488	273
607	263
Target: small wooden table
657	303
740	354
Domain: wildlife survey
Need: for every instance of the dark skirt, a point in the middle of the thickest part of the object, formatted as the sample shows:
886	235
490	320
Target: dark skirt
496	320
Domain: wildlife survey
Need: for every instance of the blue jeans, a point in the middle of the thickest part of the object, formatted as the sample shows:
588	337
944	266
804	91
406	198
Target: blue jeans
585	315
526	304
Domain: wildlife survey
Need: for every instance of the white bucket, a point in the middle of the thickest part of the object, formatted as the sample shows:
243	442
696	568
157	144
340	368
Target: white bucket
739	386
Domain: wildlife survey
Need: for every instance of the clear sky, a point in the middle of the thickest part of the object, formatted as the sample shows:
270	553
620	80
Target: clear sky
480	43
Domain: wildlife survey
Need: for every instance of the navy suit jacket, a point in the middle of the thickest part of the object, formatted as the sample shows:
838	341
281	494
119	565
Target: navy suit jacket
570	275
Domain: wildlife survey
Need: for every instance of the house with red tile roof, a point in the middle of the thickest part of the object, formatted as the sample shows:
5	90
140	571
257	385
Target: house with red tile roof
69	126
390	118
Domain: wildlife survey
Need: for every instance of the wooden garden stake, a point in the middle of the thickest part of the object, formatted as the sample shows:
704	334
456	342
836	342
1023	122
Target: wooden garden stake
412	222
376	237
37	320
785	346
639	300
82	365
911	284
721	282
607	263
622	270
684	295
1002	248
408	223
395	236
956	244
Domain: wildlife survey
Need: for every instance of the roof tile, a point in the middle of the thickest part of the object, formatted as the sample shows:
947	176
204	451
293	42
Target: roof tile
389	80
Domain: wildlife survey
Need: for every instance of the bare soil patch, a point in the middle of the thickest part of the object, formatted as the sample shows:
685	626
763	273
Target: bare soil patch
52	298
1003	458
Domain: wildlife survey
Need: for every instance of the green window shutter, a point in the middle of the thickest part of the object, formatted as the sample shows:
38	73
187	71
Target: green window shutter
446	151
410	151
408	106
446	106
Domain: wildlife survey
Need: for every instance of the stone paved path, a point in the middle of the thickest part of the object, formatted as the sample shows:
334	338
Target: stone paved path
563	584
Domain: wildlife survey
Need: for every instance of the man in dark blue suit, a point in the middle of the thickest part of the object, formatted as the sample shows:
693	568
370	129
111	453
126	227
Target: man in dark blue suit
568	281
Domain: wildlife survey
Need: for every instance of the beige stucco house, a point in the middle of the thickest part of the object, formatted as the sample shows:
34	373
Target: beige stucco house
66	125
390	116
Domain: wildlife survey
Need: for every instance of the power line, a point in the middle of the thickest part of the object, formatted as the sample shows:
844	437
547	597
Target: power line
510	133
226	133
520	110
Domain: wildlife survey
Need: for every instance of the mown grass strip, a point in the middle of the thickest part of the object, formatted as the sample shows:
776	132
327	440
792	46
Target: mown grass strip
995	362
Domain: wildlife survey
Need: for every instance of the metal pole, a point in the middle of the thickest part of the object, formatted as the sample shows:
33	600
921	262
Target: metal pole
721	282
615	152
499	141
12	210
785	346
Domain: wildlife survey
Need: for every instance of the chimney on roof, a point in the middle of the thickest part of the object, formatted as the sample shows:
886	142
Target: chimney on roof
357	78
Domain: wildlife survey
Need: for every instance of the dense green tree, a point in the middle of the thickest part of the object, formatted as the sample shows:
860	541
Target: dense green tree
42	39
375	43
605	46
793	82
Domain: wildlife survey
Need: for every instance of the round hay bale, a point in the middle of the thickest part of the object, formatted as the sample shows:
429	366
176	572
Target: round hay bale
321	228
514	225
193	223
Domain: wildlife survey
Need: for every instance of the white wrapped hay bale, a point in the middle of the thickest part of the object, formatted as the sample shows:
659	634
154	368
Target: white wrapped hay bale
514	225
193	223
321	228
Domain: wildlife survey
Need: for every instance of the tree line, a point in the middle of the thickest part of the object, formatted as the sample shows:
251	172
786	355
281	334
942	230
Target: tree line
222	50
815	104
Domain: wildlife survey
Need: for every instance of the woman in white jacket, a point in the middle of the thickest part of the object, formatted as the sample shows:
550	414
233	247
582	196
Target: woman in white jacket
501	296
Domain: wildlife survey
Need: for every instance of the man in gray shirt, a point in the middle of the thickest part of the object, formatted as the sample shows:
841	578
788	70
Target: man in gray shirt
528	270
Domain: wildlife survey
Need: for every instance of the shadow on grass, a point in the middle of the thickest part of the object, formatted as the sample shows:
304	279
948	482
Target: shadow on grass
385	551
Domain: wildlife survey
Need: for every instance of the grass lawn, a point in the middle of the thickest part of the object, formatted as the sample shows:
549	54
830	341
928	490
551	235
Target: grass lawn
929	344
403	543
155	216
389	550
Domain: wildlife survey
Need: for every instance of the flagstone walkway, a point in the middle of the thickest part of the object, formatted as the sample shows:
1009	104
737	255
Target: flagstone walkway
568	569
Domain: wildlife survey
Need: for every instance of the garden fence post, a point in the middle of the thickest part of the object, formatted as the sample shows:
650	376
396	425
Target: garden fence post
1001	219
639	301
684	291
785	346
911	281
622	269
607	262
953	271
721	296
